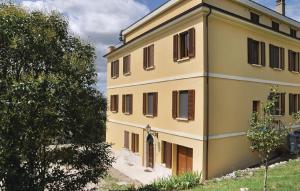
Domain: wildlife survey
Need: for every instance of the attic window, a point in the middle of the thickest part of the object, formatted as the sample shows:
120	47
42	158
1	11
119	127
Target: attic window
275	26
254	18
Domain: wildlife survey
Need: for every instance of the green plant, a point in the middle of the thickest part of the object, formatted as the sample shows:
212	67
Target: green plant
265	135
185	181
48	98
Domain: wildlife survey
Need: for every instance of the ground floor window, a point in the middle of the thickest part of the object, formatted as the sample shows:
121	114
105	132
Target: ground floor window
167	154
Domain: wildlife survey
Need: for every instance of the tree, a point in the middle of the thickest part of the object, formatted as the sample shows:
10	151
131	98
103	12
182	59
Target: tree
52	118
264	134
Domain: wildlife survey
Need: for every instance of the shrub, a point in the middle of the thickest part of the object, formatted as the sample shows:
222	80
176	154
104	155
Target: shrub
182	182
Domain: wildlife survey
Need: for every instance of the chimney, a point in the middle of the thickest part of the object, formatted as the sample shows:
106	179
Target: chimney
110	49
280	6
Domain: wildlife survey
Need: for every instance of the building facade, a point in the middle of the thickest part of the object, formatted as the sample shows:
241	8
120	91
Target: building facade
182	87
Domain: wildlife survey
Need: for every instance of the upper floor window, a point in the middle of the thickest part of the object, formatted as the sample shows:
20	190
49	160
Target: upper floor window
293	33
183	106
279	106
150	102
148	56
256	52
254	18
115	69
276	57
127	104
184	45
114	103
275	26
294	103
294	61
126	65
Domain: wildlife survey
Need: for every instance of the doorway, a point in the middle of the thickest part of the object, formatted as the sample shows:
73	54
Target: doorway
150	152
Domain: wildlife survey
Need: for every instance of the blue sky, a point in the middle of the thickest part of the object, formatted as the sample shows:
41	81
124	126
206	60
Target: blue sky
100	21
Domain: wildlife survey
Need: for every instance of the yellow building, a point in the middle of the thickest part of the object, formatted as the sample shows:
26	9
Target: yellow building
182	87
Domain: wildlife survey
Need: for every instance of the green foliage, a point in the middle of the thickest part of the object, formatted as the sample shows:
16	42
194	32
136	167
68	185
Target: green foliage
48	98
182	182
264	134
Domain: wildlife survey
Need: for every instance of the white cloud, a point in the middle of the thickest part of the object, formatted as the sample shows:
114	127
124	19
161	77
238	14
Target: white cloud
98	21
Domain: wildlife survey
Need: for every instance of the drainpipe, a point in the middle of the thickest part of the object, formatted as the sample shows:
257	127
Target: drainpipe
207	91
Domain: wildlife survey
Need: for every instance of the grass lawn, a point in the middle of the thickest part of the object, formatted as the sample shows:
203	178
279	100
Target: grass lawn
282	178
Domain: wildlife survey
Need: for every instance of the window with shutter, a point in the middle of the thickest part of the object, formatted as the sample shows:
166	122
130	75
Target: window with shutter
293	103
277	57
256	52
148	57
184	45
127	104
279	105
115	69
126	65
254	18
183	105
114	99
150	101
293	61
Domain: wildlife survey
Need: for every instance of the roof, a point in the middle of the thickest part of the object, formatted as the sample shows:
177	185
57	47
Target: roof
249	3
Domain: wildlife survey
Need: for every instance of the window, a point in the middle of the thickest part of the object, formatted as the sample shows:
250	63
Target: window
275	26
276	57
184	45
183	104
294	61
126	65
254	18
255	106
115	69
148	62
294	103
134	143
114	103
167	154
150	102
127	104
279	108
293	33
126	139
256	52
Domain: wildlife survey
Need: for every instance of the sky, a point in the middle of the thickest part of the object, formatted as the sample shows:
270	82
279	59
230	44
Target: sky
99	21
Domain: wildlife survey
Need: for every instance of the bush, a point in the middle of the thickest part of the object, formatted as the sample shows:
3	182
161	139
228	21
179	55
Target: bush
182	182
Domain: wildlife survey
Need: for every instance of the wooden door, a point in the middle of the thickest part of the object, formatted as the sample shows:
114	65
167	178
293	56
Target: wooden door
150	152
184	159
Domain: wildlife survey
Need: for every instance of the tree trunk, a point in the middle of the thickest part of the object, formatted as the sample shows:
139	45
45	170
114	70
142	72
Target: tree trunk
266	175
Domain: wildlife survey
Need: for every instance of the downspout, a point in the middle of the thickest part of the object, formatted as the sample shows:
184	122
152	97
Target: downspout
207	92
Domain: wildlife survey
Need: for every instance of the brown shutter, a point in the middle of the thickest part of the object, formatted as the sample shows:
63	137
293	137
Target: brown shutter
126	139
131	104
291	104
175	47
112	69
298	97
117	70
144	103
123	103
263	53
192	42
116	103
271	55
290	61
250	52
282	58
151	55
298	62
128	63
174	104
155	104
124	65
145	56
111	103
191	104
282	96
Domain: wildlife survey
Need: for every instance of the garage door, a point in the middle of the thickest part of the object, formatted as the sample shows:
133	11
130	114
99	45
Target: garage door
184	159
